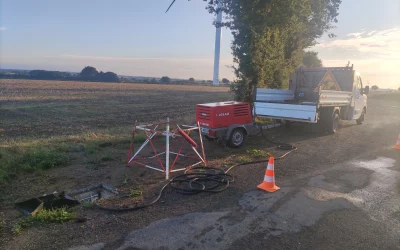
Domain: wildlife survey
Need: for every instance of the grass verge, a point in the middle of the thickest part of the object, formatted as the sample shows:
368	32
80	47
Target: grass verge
30	155
15	160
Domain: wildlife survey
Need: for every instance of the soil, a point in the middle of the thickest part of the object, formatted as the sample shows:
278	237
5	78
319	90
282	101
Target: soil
31	108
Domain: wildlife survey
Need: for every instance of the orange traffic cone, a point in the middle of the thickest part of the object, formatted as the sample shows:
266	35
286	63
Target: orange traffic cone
269	179
397	146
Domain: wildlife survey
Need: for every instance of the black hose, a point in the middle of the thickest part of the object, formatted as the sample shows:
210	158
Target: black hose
193	181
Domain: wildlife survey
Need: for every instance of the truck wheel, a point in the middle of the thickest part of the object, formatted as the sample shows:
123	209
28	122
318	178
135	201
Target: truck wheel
237	138
362	117
333	124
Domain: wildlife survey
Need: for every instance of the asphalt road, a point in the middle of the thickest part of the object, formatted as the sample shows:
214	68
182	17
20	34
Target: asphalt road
338	191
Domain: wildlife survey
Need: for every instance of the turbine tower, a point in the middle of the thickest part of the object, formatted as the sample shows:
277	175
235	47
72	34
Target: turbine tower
217	50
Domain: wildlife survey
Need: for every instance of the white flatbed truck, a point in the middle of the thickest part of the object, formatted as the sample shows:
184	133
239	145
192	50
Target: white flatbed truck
316	95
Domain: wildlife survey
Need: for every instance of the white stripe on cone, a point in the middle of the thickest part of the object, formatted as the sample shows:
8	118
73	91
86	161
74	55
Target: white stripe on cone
269	178
270	166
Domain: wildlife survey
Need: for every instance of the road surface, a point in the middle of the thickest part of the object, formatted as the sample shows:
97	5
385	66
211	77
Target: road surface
338	191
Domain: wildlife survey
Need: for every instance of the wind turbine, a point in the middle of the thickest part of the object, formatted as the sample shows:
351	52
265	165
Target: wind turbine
217	48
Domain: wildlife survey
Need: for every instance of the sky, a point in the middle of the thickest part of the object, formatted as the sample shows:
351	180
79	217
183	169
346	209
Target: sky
132	37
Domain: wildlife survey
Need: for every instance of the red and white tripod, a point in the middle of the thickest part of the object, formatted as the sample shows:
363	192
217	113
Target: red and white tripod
176	137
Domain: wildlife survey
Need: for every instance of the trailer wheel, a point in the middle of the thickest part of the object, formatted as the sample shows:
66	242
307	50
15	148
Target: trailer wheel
209	138
362	117
333	123
237	138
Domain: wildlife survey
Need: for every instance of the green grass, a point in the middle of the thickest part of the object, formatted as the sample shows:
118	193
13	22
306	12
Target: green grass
135	192
30	154
243	158
257	153
15	160
140	138
107	158
87	204
43	217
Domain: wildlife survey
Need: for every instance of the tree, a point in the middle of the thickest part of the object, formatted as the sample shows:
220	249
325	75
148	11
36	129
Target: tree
191	80
49	75
310	59
269	37
165	79
89	72
374	87
108	77
225	81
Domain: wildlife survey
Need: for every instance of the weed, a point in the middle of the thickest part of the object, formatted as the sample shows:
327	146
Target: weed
140	138
43	217
90	148
243	158
15	160
107	158
257	153
263	121
105	144
126	180
42	159
136	192
87	204
16	229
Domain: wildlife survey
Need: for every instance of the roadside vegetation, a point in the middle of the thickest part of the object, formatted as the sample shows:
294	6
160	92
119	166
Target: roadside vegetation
42	218
27	156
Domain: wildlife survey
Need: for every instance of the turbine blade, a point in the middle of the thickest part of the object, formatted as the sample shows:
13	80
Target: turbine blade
170	6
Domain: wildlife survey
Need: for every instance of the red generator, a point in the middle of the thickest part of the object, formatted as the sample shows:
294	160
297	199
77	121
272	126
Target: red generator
230	121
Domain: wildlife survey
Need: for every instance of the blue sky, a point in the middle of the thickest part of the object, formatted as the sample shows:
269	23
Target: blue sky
137	38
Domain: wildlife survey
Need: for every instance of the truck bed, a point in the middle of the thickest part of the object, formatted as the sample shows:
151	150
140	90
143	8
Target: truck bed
281	104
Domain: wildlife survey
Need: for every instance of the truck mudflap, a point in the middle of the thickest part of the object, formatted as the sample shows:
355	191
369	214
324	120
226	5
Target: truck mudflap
291	112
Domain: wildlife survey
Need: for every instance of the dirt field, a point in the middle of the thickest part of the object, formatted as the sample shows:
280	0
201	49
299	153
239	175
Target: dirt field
62	136
52	108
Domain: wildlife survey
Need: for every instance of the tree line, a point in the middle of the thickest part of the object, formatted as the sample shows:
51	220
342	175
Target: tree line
88	73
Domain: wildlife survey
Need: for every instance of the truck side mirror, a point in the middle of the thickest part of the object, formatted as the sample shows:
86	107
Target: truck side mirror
366	90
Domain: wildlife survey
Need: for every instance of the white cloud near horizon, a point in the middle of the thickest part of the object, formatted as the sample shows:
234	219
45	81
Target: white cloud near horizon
375	54
3	28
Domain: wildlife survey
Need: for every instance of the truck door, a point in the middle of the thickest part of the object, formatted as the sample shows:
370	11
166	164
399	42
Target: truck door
359	99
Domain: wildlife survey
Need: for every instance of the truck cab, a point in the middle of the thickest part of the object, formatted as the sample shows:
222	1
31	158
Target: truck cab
360	99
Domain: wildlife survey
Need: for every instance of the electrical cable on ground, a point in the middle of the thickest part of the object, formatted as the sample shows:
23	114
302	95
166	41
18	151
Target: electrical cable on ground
202	179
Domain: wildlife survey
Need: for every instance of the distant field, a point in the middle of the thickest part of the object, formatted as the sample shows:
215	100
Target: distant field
30	108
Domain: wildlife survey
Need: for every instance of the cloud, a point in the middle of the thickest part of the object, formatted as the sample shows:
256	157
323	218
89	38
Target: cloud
375	53
2	28
357	34
384	44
